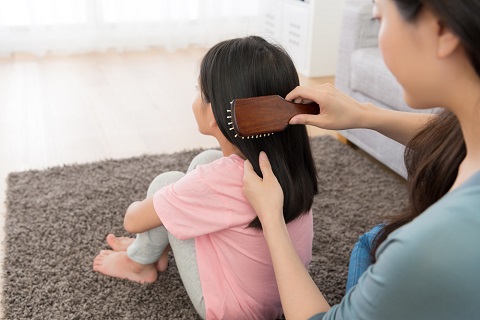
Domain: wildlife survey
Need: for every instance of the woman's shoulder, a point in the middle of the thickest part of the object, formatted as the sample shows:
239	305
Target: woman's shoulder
434	259
448	226
456	208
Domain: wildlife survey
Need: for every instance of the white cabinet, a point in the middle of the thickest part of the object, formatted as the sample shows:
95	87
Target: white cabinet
308	30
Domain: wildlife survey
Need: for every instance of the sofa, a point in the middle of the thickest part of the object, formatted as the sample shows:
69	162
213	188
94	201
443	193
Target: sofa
362	74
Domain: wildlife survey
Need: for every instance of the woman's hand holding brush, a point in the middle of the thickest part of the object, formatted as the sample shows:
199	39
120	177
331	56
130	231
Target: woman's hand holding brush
337	110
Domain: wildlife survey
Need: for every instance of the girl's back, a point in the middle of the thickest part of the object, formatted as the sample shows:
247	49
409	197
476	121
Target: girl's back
236	273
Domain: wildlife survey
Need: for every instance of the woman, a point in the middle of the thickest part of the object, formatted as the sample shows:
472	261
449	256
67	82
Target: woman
429	267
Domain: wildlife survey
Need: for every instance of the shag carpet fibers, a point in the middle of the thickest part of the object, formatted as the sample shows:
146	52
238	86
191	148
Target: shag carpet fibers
57	220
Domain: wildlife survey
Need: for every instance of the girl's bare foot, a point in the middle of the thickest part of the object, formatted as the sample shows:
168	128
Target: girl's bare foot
162	263
118	265
119	243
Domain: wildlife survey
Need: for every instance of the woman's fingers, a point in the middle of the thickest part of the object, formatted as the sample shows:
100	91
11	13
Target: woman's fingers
265	166
265	195
249	174
337	110
304	119
251	177
300	95
308	94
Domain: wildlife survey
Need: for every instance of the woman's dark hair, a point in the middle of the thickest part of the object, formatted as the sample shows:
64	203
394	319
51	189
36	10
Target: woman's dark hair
432	159
434	155
250	67
460	16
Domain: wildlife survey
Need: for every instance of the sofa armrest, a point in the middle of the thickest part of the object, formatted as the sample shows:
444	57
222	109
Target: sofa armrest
358	30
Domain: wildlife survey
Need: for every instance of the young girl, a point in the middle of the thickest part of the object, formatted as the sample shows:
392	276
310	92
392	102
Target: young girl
214	233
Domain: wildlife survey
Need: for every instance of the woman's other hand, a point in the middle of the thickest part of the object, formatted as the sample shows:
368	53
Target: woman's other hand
338	111
265	195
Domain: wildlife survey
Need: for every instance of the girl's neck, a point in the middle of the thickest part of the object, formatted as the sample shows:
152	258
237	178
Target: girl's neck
228	148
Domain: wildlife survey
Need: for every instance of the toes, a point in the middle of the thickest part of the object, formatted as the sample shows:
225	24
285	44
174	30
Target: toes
105	253
111	239
119	243
101	257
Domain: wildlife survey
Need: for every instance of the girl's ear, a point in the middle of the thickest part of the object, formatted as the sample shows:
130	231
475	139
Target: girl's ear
211	118
448	42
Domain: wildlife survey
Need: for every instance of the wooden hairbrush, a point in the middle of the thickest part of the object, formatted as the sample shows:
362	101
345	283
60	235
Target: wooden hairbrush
256	116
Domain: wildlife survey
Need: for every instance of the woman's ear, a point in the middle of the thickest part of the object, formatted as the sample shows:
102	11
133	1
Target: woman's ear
448	42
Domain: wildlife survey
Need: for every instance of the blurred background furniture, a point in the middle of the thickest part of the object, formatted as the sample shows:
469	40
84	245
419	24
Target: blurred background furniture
362	74
308	30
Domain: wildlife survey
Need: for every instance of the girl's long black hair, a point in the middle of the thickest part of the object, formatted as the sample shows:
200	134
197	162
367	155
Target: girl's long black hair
251	67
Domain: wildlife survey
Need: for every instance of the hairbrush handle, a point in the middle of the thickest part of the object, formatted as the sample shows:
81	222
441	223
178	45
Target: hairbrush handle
267	114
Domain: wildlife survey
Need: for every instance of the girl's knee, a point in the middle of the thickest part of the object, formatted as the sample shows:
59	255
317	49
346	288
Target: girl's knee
163	180
205	157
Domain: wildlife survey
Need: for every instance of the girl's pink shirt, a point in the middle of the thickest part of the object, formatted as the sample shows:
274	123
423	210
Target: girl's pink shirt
236	272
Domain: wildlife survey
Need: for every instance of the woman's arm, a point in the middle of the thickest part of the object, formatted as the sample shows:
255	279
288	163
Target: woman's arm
299	294
141	216
339	111
397	125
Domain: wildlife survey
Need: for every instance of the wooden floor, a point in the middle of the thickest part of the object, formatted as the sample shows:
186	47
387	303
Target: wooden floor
77	109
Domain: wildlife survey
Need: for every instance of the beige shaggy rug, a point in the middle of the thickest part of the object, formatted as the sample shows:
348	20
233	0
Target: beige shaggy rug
57	220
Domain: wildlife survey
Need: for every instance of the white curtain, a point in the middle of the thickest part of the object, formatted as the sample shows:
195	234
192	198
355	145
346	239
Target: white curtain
75	26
